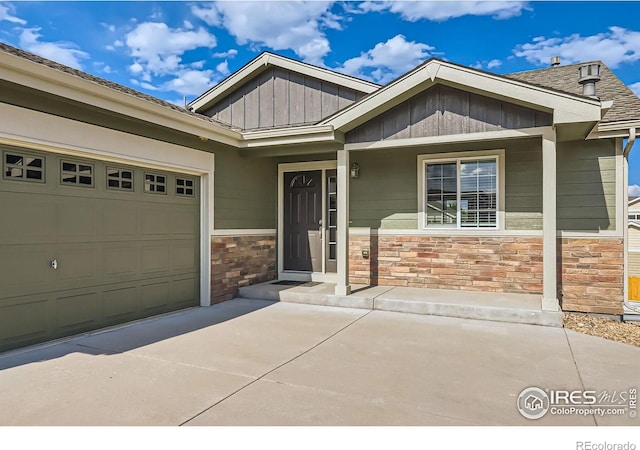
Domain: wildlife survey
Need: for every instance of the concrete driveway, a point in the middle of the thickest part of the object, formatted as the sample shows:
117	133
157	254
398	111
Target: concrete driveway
250	362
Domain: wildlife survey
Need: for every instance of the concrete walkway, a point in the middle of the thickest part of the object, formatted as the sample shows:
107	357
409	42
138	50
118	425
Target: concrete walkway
251	362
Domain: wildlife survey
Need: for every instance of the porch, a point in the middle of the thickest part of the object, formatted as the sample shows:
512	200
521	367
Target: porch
499	307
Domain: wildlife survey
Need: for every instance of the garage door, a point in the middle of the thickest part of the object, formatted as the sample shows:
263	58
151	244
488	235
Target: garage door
86	244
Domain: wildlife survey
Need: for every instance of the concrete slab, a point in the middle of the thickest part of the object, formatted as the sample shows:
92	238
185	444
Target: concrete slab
448	367
607	366
311	294
251	344
278	404
80	387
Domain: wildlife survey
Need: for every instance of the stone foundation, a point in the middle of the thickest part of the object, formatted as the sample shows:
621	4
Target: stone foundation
238	261
591	275
590	271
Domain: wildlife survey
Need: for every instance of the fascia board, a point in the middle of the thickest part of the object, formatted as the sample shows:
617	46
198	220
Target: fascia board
259	64
33	75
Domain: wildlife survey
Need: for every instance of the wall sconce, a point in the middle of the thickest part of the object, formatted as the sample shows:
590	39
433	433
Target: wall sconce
355	170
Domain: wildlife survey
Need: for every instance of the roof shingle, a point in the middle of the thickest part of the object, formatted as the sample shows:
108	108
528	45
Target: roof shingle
626	105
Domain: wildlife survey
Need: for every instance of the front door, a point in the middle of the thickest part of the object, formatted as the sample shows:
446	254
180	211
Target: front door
303	221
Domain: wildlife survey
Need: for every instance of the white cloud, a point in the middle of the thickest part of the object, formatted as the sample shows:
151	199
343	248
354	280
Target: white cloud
158	49
387	60
190	82
223	68
108	26
494	63
633	190
279	25
635	87
65	53
616	46
6	14
144	85
228	54
439	11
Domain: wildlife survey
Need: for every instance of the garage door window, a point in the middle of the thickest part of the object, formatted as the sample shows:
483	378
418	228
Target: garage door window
184	187
18	166
120	179
77	174
155	184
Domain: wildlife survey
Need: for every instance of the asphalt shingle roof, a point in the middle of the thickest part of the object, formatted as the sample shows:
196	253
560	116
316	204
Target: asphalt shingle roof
626	105
101	81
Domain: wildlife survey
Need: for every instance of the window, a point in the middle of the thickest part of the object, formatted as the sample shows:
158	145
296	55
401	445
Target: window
19	166
78	174
634	216
184	187
460	193
121	179
156	184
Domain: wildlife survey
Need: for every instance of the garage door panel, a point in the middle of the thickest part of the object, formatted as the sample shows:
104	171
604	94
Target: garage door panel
184	221
119	221
26	218
120	302
184	255
22	317
154	258
155	221
120	260
25	269
155	295
77	309
78	221
184	291
77	265
121	254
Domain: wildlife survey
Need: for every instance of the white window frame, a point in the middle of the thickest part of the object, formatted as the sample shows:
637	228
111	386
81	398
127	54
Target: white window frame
425	159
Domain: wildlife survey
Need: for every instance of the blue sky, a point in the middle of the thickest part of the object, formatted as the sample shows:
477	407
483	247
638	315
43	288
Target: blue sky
174	50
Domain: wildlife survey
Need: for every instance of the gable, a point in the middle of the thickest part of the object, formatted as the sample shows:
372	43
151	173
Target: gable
442	110
280	97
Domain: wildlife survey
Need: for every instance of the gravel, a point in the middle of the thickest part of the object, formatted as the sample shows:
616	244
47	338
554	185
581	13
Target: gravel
614	330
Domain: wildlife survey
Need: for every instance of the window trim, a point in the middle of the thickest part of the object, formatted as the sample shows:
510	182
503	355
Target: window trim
193	187
424	159
27	154
77	162
119	188
155	183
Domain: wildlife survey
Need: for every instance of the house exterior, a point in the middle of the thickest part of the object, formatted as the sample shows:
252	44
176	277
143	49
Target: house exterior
119	205
633	242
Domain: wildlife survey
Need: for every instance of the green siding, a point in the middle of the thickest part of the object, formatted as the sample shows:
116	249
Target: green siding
245	191
386	194
586	185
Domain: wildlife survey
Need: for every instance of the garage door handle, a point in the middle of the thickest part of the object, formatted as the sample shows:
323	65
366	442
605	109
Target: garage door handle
54	264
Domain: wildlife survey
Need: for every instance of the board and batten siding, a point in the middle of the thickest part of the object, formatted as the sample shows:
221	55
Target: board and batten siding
442	110
586	184
279	97
386	193
634	251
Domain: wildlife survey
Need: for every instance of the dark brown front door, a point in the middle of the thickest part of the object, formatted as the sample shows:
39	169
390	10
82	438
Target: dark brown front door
302	221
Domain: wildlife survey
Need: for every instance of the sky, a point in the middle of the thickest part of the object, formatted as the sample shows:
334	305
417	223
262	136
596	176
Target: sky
177	50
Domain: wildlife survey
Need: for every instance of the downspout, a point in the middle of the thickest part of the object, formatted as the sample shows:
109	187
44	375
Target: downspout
625	153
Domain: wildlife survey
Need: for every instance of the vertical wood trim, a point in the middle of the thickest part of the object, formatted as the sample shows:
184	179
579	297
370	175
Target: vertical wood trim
549	232
622	178
342	285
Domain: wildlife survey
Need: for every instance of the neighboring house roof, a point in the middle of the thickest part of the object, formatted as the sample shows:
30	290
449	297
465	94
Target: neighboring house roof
105	83
634	200
268	59
626	105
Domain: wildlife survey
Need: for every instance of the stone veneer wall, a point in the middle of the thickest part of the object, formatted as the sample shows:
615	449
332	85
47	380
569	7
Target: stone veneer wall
590	271
238	261
591	274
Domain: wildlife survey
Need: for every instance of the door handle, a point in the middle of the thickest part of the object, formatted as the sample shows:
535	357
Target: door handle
54	264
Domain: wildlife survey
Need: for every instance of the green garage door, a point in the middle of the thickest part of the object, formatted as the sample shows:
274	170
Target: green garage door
86	244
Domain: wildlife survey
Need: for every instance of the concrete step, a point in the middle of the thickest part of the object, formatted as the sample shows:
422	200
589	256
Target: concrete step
515	308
